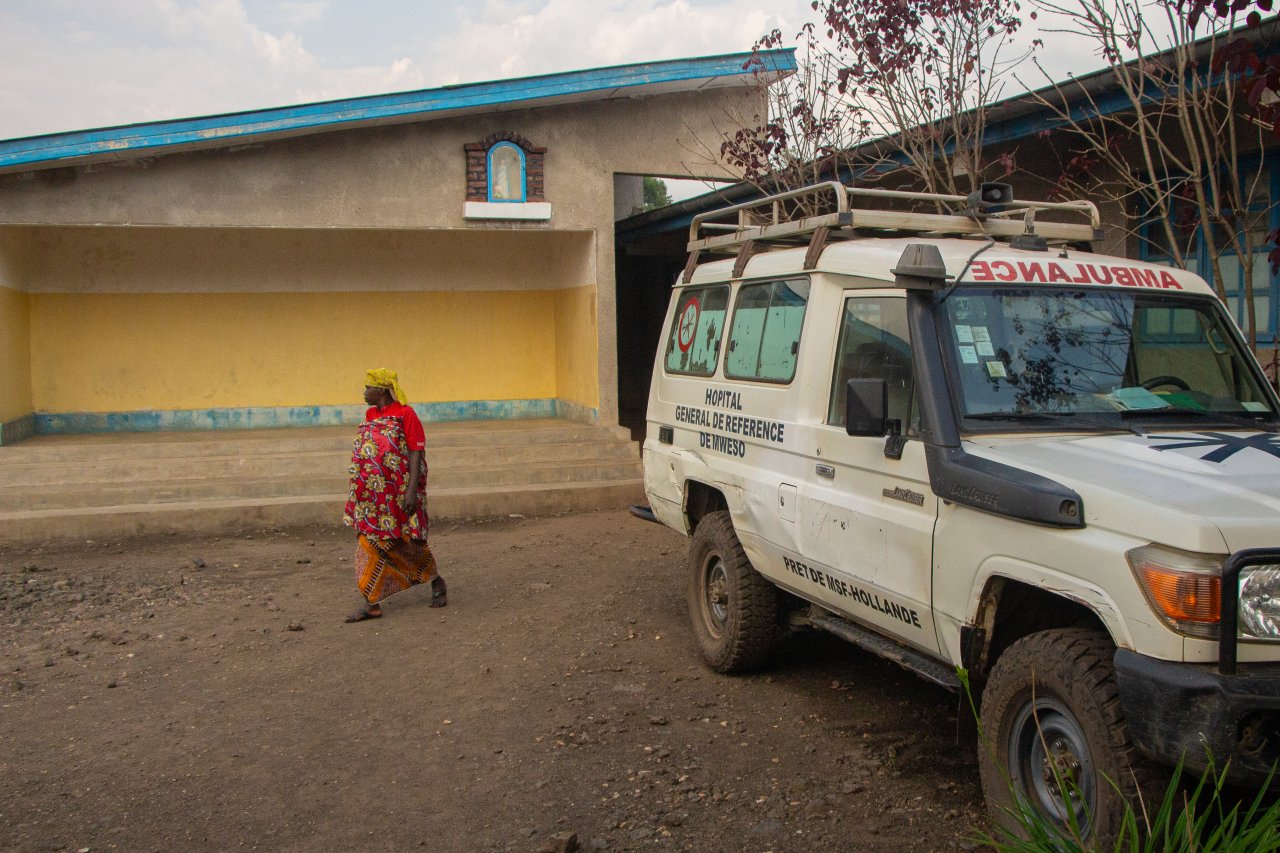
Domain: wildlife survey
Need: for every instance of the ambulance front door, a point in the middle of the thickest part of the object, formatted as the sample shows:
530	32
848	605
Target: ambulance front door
867	518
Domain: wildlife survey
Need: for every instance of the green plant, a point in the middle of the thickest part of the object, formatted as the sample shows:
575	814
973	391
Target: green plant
1205	818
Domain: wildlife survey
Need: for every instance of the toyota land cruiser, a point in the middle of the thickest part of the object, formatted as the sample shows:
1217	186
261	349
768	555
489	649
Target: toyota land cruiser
961	441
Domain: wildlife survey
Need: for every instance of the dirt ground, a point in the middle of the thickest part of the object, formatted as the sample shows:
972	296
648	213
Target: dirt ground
202	693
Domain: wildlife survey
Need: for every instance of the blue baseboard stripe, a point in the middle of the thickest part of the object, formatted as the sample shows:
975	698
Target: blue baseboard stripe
172	420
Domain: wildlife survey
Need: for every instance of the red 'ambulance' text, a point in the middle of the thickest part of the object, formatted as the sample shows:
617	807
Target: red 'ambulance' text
1053	272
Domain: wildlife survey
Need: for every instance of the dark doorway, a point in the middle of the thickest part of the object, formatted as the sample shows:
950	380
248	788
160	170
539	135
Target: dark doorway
646	268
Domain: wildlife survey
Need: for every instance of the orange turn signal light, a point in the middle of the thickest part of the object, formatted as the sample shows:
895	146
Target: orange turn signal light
1182	596
1184	588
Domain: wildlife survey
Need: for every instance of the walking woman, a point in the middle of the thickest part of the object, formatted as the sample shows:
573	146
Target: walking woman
387	504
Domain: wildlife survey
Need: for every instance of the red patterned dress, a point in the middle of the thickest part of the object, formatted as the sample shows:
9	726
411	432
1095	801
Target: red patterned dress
391	550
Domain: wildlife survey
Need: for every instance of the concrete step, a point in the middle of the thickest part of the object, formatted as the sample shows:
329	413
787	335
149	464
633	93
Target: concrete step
236	515
17	472
170	491
225	488
536	474
110	486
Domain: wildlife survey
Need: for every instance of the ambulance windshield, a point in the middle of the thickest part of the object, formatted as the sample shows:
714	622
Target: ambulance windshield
1042	354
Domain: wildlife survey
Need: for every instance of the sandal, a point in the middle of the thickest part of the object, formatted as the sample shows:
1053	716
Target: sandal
439	597
361	615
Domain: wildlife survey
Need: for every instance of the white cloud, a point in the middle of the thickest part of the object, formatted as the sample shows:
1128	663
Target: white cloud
125	61
502	38
296	12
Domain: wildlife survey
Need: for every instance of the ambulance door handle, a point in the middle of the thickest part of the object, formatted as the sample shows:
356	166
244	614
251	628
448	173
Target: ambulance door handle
825	471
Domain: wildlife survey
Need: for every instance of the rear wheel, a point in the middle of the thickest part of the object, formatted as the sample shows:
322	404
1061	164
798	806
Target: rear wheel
1054	739
734	610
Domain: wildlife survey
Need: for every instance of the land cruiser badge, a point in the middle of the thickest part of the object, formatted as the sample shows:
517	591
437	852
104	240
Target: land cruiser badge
901	494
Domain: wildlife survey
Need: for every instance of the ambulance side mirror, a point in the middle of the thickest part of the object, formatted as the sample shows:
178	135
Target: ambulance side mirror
866	406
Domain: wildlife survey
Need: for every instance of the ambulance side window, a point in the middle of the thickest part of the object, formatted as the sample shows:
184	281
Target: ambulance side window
694	345
876	344
765	337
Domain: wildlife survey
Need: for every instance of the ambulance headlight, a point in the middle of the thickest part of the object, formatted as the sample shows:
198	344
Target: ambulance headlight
1184	588
1260	603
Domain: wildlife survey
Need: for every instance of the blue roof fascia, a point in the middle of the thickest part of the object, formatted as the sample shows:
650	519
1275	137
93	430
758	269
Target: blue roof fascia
658	226
234	128
1081	110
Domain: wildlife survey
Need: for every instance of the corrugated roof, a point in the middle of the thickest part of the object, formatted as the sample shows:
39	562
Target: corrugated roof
162	137
1012	119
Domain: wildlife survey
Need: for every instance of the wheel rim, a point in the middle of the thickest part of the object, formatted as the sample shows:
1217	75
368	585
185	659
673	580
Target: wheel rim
1050	763
715	594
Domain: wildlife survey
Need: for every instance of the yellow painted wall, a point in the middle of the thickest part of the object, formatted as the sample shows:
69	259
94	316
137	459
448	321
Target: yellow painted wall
128	352
15	354
576	350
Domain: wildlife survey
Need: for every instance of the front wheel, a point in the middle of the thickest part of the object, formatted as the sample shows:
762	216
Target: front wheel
733	608
1054	740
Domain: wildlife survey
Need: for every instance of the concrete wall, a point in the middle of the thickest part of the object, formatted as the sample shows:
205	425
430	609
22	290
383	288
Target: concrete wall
15	336
210	351
256	260
410	175
577	353
366	210
15	354
628	195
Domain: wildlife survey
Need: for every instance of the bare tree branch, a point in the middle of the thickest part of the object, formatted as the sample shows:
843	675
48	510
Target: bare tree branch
1175	155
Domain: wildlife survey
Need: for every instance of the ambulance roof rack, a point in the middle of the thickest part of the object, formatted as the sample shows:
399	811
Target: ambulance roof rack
743	228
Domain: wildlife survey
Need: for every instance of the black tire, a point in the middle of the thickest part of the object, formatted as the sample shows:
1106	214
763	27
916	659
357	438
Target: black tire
734	610
1053	695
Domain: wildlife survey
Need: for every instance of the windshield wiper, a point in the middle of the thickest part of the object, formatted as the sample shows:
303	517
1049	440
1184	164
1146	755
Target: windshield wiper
1019	416
1220	417
1080	418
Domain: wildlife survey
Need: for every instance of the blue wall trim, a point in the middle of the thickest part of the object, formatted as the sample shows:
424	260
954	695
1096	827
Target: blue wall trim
298	416
234	128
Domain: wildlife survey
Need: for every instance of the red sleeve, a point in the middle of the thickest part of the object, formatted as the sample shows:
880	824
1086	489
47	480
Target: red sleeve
414	435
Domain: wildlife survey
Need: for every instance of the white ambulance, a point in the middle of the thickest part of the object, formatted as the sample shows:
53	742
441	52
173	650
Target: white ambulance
960	441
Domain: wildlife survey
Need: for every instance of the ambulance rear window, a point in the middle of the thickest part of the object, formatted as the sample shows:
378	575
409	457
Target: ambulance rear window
765	337
694	345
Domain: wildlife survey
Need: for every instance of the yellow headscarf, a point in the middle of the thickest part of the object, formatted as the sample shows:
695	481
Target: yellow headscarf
383	378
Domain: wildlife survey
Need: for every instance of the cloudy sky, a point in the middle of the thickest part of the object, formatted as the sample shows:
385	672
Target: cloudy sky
76	64
73	64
